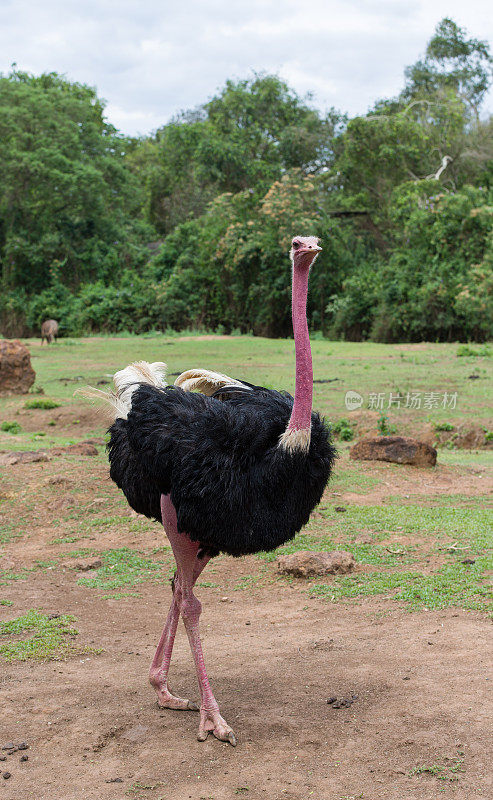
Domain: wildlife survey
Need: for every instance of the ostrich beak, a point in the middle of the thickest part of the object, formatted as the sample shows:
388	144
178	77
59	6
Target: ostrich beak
311	248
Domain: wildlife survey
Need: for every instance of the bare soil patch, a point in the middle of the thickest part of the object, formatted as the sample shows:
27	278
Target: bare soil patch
415	724
419	682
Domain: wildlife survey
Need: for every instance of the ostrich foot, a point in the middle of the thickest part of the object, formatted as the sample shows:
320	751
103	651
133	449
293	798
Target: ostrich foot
212	722
167	700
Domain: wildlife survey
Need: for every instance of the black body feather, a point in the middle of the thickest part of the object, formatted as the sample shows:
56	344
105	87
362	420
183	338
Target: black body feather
234	490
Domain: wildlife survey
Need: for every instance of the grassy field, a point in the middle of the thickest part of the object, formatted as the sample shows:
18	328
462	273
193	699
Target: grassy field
433	520
77	566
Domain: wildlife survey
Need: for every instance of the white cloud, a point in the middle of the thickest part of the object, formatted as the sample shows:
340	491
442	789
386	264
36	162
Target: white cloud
152	58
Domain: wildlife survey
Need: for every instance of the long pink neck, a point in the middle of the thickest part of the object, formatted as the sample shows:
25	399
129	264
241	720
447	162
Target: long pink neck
301	415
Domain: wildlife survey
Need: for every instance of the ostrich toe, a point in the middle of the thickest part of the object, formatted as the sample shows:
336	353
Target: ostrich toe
168	700
212	722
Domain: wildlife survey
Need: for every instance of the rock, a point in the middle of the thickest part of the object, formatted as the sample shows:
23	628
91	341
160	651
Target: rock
8	459
6	775
398	449
343	702
16	373
78	449
87	564
8	746
306	563
24	758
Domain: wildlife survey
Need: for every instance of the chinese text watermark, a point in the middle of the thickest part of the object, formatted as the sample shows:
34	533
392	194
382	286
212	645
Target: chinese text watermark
381	401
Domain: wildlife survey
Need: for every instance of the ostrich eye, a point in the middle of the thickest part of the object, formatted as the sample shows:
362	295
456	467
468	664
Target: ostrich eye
296	245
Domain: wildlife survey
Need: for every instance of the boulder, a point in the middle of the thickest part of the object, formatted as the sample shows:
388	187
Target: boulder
306	564
398	449
8	459
16	373
77	449
87	564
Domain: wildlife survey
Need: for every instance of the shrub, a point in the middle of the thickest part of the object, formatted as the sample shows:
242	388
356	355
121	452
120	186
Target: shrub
10	427
41	402
384	427
444	426
343	429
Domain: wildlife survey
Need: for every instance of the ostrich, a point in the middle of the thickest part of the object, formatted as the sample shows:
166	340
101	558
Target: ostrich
229	467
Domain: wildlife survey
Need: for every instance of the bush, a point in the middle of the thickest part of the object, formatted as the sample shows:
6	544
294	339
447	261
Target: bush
41	402
343	429
10	427
384	427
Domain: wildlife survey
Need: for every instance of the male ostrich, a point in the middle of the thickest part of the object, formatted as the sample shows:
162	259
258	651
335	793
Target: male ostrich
230	468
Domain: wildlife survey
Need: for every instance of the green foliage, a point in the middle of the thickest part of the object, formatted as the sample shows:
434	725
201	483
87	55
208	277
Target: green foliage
189	228
453	62
69	207
443	426
51	637
464	350
123	567
384	427
443	772
41	402
343	429
10	427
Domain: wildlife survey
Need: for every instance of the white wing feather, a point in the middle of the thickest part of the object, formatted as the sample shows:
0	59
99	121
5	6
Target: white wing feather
126	382
205	381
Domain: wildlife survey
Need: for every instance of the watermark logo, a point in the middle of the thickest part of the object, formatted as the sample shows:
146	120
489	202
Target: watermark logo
380	401
353	400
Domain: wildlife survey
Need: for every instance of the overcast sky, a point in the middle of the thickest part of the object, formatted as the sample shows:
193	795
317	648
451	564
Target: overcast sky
149	59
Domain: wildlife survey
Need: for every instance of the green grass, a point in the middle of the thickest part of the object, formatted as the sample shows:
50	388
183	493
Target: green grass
444	772
435	526
47	637
363	366
6	603
453	585
6	577
10	427
407	532
124	567
448	535
41	402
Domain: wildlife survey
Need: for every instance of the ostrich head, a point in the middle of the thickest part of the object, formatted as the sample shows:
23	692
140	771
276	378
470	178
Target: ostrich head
304	250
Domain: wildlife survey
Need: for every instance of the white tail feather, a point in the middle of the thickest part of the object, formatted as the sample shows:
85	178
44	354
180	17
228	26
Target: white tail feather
204	381
126	382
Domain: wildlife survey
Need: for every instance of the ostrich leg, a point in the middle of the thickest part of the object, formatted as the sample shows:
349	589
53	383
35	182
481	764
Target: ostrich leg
185	552
158	673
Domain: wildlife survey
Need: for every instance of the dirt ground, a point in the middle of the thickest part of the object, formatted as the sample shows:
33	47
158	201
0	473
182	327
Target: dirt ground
418	682
95	731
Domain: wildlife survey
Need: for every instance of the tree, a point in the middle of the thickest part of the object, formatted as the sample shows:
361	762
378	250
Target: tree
245	137
452	61
66	197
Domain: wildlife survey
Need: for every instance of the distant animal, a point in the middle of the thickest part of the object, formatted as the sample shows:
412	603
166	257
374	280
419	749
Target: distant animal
228	468
49	331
